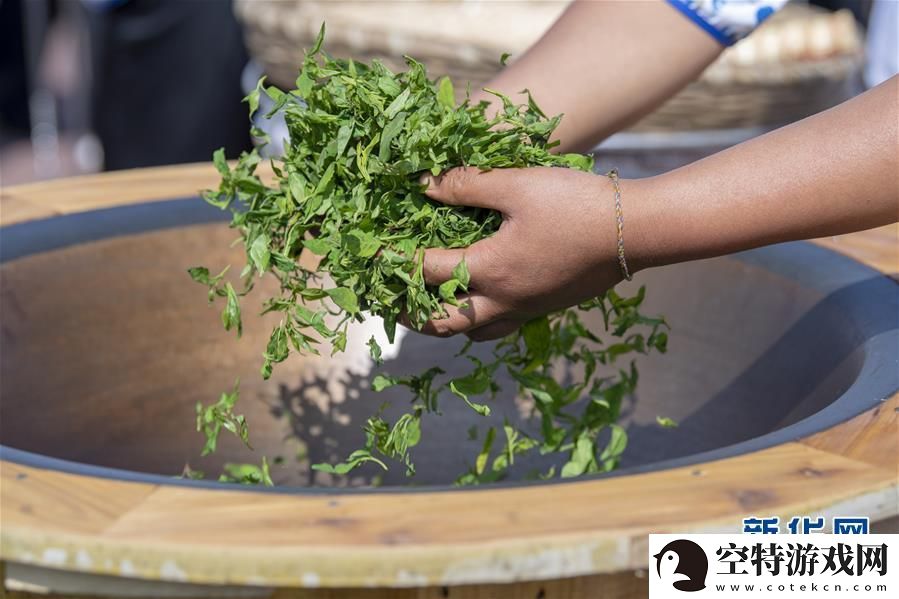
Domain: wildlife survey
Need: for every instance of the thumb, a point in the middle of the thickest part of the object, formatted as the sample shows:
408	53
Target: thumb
470	186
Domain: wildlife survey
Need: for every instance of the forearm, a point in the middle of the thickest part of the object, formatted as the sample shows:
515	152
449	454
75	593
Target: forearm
605	64
832	173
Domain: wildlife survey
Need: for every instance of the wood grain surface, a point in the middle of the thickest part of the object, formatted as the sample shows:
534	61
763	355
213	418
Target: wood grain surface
595	531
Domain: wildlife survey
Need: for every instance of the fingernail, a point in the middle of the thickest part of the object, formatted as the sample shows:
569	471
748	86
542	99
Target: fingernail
425	179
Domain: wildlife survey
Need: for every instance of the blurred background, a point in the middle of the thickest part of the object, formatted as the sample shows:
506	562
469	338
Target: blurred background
93	85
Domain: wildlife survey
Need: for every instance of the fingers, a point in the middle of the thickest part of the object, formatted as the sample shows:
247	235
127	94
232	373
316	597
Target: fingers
470	186
495	330
439	264
478	311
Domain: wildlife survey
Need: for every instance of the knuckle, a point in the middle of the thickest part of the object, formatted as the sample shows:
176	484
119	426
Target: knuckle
456	183
443	328
486	264
498	273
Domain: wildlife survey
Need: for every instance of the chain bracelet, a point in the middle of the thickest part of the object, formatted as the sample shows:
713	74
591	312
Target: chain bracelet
619	222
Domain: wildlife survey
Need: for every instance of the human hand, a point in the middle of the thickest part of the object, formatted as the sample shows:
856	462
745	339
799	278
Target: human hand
555	248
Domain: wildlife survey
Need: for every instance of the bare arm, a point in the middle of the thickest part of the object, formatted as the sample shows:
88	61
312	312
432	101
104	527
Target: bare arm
835	172
605	64
832	173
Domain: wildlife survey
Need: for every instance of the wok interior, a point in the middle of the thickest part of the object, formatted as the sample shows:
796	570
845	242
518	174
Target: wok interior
108	345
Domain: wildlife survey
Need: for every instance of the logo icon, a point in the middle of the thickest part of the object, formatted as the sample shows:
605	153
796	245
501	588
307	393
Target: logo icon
683	565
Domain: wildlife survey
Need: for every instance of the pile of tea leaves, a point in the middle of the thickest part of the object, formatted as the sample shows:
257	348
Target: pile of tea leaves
347	189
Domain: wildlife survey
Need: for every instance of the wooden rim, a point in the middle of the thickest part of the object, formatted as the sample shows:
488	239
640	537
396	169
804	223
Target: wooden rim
104	526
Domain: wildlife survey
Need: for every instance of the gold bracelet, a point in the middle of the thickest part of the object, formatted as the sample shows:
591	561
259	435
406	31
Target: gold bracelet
619	221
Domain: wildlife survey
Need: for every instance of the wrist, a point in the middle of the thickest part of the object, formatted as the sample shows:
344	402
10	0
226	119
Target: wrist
646	227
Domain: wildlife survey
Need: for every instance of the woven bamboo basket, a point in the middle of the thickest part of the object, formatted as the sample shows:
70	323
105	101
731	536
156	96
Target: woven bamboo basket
800	62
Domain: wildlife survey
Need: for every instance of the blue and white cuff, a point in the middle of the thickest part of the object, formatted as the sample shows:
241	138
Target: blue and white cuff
728	21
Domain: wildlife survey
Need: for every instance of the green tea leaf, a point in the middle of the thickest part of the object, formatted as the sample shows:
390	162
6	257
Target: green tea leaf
579	161
259	253
666	422
375	352
473	384
212	419
344	298
447	291
347	189
461	274
481	461
248	474
582	458
319	40
382	382
297	189
252	99
320	247
362	244
355	459
221	165
393	128
398	104
445	93
231	313
344	134
537	338
200	274
615	447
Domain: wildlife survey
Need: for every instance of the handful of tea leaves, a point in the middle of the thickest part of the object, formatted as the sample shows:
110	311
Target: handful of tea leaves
347	189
